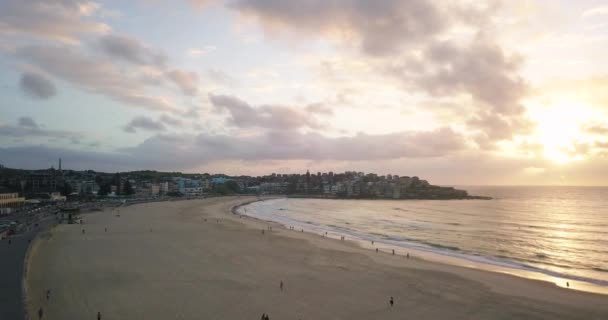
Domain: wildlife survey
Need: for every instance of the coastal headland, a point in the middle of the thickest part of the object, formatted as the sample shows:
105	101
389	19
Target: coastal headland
197	260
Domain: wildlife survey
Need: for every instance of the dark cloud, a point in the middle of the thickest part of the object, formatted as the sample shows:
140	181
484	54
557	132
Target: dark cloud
93	75
166	119
144	123
267	116
27	128
190	151
131	50
171	151
37	86
63	20
28	122
186	81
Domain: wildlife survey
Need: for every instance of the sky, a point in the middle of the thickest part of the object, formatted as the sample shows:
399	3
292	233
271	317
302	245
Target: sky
458	92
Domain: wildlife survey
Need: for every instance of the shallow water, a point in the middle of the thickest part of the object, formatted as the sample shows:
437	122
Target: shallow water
560	232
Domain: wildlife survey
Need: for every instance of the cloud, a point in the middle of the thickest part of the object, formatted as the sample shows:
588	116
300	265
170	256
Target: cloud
601	145
144	123
414	42
480	69
498	127
199	3
220	78
93	75
28	122
319	108
243	115
37	86
131	50
379	27
596	129
195	52
186	81
599	11
63	20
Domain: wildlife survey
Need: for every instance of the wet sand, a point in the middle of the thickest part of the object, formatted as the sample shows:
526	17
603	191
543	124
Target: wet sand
164	261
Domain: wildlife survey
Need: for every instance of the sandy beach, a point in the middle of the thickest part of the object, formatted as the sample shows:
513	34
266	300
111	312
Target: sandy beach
196	260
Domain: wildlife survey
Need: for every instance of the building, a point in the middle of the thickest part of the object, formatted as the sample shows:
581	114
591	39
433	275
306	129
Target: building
10	201
164	187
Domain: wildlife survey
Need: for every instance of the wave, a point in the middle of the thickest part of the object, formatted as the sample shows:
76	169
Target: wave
539	263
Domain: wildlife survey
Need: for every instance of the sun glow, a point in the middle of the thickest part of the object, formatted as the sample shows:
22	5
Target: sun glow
559	129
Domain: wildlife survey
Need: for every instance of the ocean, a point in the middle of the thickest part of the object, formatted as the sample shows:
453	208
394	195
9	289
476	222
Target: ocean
558	234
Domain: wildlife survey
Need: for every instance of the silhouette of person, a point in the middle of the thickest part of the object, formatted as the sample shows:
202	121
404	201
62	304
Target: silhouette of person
82	231
98	315
408	255
391	301
106	229
393	251
48	294
263	316
281	285
568	284
40	313
376	250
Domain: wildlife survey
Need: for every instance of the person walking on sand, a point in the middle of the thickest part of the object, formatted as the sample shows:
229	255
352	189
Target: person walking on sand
281	285
391	301
98	315
40	313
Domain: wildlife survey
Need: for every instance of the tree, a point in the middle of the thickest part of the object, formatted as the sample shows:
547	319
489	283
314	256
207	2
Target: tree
232	186
128	188
104	189
67	189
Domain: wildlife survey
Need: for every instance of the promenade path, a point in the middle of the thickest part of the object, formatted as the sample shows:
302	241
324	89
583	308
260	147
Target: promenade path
11	271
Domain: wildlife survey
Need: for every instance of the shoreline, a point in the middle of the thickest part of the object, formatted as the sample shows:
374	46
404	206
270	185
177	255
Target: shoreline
124	271
452	257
